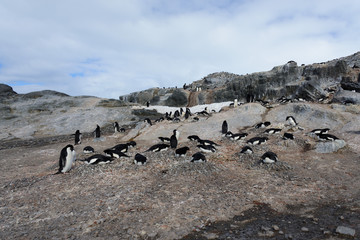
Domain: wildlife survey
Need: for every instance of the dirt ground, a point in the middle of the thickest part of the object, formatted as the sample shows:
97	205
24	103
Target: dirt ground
307	195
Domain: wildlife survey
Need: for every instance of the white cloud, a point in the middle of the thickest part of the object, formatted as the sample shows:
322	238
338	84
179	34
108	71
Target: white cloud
111	48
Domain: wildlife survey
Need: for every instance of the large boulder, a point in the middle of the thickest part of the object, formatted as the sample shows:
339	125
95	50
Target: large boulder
6	90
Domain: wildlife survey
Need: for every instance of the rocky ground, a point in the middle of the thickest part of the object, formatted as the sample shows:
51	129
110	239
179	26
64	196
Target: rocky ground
308	194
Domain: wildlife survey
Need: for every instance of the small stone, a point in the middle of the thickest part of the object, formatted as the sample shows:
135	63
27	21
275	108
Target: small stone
142	233
265	228
210	235
304	229
345	231
233	226
288	236
281	232
327	232
276	227
342	217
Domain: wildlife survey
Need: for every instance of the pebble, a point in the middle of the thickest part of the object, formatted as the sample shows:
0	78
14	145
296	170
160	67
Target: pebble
345	231
276	227
304	229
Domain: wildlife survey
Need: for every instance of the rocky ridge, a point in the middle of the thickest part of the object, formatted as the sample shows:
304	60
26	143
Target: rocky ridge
312	82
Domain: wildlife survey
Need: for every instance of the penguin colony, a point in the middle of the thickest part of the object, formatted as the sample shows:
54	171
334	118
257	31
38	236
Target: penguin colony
203	146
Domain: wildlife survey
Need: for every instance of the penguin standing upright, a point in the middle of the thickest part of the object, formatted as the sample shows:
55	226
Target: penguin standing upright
116	127
173	141
147	104
77	137
97	131
224	128
67	157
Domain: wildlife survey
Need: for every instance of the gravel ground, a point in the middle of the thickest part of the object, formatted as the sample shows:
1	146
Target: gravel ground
306	195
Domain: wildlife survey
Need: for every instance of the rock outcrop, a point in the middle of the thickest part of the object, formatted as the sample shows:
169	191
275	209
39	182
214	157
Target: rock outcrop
310	82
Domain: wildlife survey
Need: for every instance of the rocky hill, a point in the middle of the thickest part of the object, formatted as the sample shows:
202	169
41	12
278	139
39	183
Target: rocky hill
311	82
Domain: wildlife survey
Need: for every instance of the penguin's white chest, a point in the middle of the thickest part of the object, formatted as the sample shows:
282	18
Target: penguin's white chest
70	157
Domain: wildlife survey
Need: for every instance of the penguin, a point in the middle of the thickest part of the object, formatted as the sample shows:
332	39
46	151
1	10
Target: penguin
147	120
187	115
97	131
198	157
196	119
98	159
78	137
158	148
262	125
272	130
176	114
257	140
288	136
88	149
140	159
159	119
67	157
204	113
116	127
269	157
207	148
121	147
246	150
122	130
147	104
327	137
182	113
193	138
181	151
114	153
176	133
176	120
164	139
224	127
173	141
207	142
238	136
228	134
290	120
320	131
131	144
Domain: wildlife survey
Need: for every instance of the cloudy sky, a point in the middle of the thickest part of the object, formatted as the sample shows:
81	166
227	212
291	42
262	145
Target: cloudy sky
114	47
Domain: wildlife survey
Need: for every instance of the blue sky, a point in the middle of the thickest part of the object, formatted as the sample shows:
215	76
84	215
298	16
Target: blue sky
111	48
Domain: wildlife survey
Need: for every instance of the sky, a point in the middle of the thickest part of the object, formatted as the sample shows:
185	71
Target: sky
115	47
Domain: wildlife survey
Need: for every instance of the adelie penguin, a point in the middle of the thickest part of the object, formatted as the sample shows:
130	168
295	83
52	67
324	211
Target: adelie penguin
98	159
262	125
198	157
181	151
97	132
67	157
88	149
287	136
207	148
224	127
246	150
238	136
158	148
290	121
77	137
269	157
114	153
207	142
147	120
320	131
124	147
116	127
173	141
140	159
257	140
193	138
164	139
272	130
327	137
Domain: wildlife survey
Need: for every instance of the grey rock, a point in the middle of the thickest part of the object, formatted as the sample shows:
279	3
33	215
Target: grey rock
330	147
304	229
6	90
345	231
